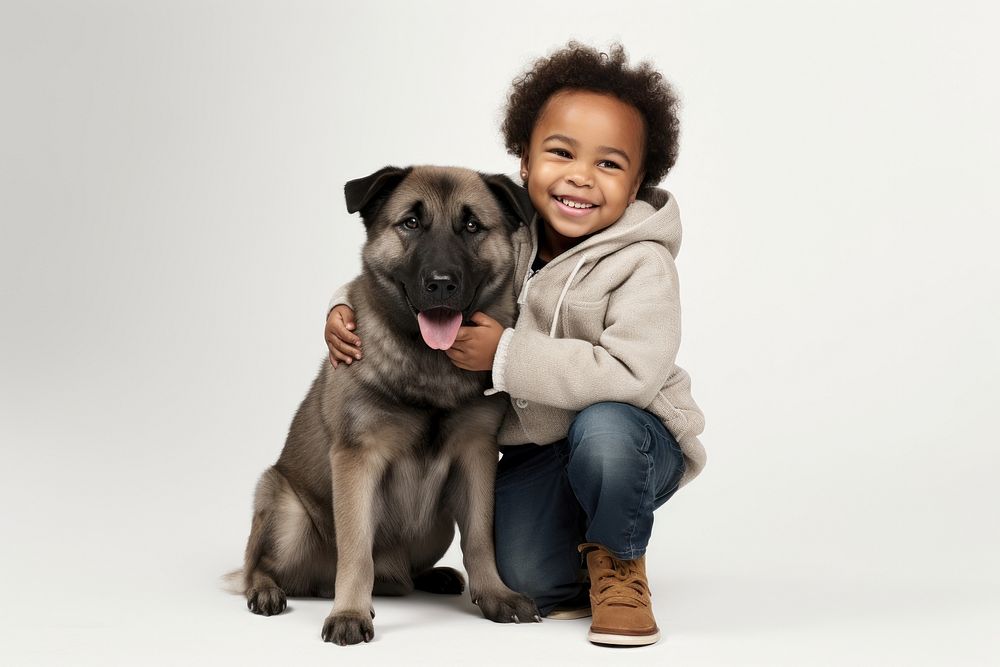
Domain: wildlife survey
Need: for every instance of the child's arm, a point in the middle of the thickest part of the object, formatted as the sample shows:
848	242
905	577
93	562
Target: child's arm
344	345
631	361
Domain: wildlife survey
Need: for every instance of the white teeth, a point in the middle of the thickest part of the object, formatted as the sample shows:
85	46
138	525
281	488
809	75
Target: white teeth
573	204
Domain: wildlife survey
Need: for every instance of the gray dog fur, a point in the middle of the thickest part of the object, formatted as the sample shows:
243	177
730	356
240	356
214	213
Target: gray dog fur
382	459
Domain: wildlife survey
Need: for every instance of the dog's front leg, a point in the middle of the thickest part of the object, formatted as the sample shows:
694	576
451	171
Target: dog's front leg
355	474
474	513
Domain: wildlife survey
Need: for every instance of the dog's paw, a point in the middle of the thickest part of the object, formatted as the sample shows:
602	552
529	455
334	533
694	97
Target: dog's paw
266	601
348	628
442	580
507	607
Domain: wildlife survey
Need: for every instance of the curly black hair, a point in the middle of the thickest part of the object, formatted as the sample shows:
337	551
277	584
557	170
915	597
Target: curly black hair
582	67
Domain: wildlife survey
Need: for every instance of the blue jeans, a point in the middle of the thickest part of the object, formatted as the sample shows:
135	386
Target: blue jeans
600	484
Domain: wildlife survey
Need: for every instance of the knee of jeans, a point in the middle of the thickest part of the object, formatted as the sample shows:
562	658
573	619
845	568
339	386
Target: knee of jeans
607	429
522	576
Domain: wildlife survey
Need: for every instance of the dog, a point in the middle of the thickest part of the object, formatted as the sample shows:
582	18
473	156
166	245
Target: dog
382	460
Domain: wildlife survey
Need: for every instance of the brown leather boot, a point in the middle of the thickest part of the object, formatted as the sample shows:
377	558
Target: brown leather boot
620	600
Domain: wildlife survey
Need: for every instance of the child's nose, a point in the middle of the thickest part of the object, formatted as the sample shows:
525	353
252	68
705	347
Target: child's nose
580	176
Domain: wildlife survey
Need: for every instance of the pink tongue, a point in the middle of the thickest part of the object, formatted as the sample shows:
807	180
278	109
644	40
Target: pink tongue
439	326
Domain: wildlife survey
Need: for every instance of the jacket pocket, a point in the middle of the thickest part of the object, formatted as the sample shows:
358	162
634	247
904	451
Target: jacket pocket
675	420
583	320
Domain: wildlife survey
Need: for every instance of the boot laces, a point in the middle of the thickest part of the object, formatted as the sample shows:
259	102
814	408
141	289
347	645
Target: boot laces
620	583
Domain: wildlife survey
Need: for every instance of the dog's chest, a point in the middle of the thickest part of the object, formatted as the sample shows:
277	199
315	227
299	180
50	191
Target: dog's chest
426	379
412	491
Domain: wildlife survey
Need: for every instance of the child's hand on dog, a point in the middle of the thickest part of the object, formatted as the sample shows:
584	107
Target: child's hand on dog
475	346
345	346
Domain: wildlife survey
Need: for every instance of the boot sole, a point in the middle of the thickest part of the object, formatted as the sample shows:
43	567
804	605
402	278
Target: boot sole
623	640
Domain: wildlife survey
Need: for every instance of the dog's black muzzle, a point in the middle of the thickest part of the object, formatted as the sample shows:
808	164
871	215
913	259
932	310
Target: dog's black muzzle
439	288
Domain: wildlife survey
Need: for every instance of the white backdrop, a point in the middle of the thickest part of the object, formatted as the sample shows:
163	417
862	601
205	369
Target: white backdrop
173	223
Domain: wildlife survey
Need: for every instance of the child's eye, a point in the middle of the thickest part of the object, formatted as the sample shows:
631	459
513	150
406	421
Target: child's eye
610	164
561	152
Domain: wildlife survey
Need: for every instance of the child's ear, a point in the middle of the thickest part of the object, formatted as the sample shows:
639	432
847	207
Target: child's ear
636	187
524	165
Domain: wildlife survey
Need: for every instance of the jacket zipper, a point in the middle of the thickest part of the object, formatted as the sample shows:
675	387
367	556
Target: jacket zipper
522	298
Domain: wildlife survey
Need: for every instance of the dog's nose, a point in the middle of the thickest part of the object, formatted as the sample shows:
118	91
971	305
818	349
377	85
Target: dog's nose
441	285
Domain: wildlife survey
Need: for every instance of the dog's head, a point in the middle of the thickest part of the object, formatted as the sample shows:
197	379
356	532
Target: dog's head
438	243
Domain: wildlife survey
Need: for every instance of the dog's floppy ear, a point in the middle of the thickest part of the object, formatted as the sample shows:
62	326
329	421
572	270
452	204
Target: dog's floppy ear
513	198
367	194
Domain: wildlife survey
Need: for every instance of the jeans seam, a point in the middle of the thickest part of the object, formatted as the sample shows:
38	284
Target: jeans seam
678	474
645	485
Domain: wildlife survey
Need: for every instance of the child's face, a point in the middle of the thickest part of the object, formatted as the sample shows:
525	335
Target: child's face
585	148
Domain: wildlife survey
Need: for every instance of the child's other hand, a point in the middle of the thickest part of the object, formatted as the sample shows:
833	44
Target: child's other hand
345	346
475	346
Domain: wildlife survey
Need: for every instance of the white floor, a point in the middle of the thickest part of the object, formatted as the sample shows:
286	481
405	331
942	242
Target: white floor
178	617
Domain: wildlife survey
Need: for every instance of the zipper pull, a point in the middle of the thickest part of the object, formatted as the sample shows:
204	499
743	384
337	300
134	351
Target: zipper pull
522	298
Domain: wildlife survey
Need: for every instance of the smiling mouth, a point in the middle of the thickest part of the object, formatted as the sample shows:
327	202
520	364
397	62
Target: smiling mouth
572	203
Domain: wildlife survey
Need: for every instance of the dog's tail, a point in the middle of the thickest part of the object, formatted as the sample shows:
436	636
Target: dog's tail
232	582
268	487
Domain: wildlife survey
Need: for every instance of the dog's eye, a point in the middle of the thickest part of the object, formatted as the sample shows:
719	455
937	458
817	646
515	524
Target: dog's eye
472	225
410	222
